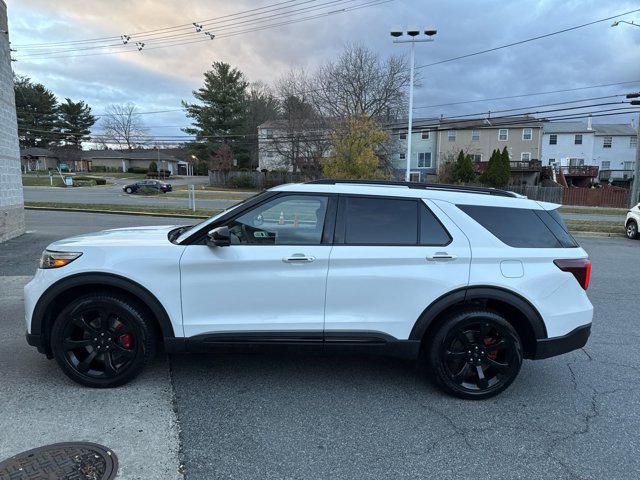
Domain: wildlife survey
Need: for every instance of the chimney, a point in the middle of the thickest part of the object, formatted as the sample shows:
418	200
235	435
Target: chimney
589	126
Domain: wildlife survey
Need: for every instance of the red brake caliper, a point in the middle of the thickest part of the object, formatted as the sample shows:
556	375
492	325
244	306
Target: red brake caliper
126	339
490	341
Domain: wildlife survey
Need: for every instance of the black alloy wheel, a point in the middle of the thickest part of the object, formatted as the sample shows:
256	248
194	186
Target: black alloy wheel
102	341
475	354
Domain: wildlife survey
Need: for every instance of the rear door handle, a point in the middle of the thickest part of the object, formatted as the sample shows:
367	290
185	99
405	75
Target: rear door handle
441	256
298	258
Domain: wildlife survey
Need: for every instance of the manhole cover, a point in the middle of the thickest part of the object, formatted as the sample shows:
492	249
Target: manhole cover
62	461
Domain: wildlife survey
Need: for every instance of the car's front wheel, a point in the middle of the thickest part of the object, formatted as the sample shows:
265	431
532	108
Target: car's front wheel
102	340
128	190
474	354
632	230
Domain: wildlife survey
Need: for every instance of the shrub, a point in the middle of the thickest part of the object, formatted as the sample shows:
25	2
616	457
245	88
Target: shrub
153	167
147	191
241	181
98	168
160	174
96	180
136	170
83	183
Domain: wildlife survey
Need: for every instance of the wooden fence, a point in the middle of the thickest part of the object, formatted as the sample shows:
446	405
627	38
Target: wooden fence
254	179
596	197
542	194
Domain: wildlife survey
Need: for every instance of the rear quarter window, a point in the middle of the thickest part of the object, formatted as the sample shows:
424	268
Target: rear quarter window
522	227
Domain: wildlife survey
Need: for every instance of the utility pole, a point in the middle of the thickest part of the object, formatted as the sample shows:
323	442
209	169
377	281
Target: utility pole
635	188
412	32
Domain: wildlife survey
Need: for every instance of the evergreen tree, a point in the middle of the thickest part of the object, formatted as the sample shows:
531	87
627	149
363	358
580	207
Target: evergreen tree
75	122
153	166
498	171
463	169
505	167
36	108
220	116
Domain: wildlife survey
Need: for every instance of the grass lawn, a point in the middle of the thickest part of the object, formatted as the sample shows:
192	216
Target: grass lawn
208	195
41	181
200	212
594	210
577	226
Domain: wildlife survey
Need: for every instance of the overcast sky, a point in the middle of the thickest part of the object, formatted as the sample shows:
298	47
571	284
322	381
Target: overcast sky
158	79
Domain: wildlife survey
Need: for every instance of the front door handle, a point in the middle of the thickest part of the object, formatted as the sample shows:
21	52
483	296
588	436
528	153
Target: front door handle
441	256
298	258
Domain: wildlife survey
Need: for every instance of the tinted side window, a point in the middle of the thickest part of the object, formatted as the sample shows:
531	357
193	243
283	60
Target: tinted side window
517	227
380	221
553	220
431	230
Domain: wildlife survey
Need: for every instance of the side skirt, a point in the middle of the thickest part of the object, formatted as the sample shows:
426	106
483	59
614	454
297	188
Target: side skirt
331	343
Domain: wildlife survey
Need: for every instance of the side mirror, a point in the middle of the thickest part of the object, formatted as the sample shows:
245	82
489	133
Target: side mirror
219	237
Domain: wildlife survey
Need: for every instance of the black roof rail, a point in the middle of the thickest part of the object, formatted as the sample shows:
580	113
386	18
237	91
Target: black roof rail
420	186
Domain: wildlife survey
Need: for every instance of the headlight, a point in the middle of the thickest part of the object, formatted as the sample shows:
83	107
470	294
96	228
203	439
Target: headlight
57	259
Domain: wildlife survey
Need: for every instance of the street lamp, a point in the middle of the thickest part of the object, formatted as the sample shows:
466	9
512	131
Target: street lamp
618	22
414	37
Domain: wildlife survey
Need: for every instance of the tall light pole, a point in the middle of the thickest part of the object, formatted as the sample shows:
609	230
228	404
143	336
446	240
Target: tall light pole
414	37
635	187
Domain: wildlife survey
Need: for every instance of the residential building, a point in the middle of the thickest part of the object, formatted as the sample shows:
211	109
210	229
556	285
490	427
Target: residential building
34	159
11	200
479	137
586	152
423	165
122	160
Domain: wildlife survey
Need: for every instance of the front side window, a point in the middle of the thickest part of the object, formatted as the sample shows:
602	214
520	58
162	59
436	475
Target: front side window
606	142
503	134
527	133
553	139
424	160
577	139
289	220
451	135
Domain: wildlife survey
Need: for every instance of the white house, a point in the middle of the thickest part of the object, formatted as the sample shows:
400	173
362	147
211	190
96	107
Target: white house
423	165
575	146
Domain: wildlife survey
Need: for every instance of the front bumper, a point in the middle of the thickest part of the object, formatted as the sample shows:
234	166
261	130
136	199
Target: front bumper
550	347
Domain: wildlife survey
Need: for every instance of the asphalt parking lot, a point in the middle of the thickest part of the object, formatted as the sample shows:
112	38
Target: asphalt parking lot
291	416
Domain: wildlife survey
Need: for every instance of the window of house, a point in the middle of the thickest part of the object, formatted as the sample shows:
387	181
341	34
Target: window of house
633	142
577	139
525	156
403	136
606	165
403	156
552	161
424	160
503	134
289	220
527	133
475	135
268	133
627	165
476	157
607	141
553	139
451	135
424	134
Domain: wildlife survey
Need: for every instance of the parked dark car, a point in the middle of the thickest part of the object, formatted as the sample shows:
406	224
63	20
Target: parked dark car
160	186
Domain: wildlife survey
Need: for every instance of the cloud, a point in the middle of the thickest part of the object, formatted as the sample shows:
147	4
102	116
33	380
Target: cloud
160	79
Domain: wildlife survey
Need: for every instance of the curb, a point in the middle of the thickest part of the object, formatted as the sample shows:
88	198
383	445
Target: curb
116	212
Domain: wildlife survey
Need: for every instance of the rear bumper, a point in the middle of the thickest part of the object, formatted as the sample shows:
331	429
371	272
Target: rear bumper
550	347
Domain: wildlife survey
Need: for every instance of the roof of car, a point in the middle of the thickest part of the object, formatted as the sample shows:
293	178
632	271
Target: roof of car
448	193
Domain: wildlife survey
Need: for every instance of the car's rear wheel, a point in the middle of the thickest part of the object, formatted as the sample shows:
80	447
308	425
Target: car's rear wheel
632	230
102	340
128	190
474	354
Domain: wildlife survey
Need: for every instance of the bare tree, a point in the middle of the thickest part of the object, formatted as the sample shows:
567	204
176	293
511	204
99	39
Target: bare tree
358	83
261	105
122	125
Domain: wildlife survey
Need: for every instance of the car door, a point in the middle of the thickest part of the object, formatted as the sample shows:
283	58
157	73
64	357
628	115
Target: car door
392	258
272	278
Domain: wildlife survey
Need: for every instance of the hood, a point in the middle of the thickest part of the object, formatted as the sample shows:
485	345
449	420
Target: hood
136	236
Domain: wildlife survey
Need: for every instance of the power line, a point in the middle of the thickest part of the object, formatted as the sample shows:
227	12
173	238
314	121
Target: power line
367	4
463	102
520	42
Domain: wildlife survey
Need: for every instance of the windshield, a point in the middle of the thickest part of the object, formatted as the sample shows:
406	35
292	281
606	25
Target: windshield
191	230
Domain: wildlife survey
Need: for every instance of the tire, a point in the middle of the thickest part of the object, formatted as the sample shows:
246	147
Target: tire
128	190
632	230
463	360
102	340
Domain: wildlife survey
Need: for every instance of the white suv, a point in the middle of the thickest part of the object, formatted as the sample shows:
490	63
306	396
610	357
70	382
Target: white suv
474	279
632	221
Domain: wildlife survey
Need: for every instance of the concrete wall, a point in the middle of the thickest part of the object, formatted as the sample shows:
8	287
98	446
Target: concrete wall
11	199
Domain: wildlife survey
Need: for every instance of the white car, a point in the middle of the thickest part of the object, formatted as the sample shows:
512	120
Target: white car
632	221
474	279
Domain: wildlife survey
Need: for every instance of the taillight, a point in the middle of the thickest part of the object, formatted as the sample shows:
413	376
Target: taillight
579	267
